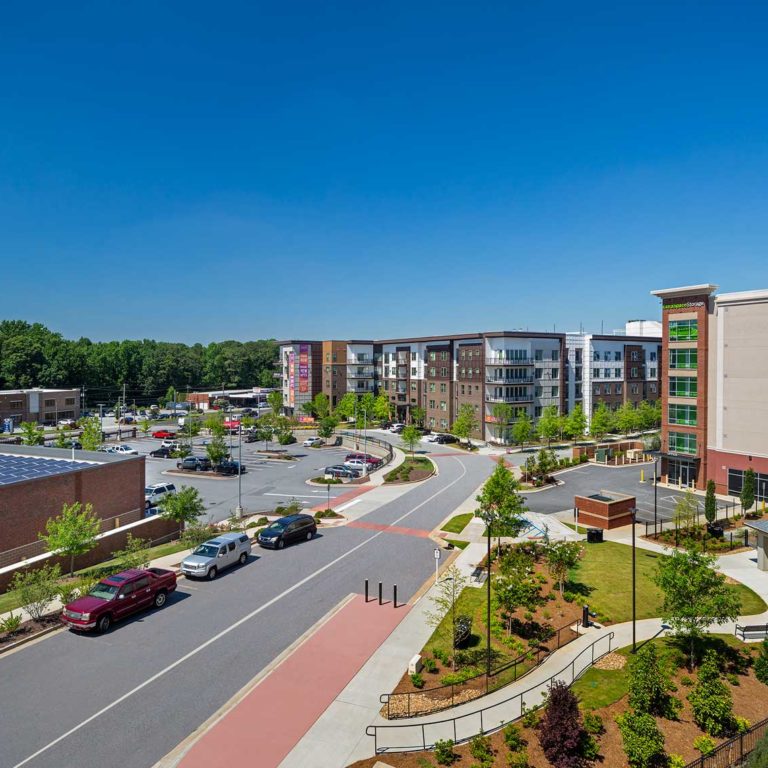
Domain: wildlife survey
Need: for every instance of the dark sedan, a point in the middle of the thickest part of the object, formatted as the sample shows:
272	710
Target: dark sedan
287	530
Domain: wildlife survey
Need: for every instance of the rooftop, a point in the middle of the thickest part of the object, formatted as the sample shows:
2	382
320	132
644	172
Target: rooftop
686	290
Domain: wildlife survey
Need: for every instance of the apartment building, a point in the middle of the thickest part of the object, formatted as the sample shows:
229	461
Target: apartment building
301	373
43	406
715	387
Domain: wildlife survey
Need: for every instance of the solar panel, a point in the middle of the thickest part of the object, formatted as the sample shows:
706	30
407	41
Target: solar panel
14	469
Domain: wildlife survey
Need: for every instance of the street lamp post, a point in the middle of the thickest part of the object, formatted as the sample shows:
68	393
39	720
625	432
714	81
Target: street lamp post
634	581
488	607
655	497
239	510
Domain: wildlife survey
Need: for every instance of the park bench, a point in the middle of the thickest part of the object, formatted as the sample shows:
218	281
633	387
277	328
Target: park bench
478	575
751	629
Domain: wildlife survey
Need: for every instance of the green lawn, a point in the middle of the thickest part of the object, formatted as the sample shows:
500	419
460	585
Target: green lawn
458	544
458	523
605	574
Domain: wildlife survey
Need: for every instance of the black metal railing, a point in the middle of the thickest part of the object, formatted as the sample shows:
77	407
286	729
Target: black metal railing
733	751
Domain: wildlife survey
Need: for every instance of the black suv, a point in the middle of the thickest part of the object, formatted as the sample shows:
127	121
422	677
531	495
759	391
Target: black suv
443	439
195	463
228	467
287	530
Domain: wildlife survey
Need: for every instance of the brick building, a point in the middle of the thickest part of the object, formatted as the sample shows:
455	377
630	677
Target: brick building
43	406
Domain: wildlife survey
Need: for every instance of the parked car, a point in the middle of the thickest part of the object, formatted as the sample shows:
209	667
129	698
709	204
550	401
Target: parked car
375	460
163	434
287	530
313	442
195	463
443	439
68	423
215	555
385	425
76	444
397	428
124	450
162	453
229	467
153	494
364	467
432	437
118	596
172	445
341	471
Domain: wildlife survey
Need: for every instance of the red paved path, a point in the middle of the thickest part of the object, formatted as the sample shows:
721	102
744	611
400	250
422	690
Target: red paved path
345	497
389	528
276	714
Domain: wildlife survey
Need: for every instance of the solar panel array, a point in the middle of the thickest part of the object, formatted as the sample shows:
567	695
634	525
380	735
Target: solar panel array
14	469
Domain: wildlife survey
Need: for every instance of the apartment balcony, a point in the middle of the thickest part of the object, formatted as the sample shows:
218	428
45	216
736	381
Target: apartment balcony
491	379
510	399
360	372
504	361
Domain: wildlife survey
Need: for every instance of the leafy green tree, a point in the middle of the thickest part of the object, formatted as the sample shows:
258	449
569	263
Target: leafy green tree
711	699
184	507
62	438
600	424
264	432
326	426
686	508
523	430
36	589
549	423
449	589
577	422
466	422
275	402
418	415
695	595
643	740
135	554
501	507
321	406
381	407
73	532
145	426
410	437
546	462
214	423
647	415
710	503
627	419
563	427
503	413
516	591
650	684
91	436
31	433
217	450
345	408
747	496
563	556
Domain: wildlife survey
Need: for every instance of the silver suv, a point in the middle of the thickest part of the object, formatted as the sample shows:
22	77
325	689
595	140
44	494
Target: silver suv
217	554
154	493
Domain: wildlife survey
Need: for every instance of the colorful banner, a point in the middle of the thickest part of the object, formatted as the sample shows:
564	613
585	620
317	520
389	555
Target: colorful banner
291	379
303	367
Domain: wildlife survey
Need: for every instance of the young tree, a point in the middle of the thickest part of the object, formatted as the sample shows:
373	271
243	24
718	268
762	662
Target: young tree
501	506
686	508
275	402
643	740
466	422
747	496
91	436
695	595
449	588
345	408
549	423
73	532
134	555
577	422
144	426
502	413
326	426
217	450
711	699
650	684
410	437
214	423
516	591
185	506
418	415
561	730
562	556
600	424
627	419
522	429
62	439
264	432
36	589
646	415
321	406
381	407
546	461
563	427
31	433
710	503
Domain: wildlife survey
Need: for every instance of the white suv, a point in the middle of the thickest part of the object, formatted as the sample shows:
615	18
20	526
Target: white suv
154	493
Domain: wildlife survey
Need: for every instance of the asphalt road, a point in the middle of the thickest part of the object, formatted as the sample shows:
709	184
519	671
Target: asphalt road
128	697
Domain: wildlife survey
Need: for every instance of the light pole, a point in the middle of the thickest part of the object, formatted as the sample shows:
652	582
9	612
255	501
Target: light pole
239	510
488	607
655	497
453	618
634	574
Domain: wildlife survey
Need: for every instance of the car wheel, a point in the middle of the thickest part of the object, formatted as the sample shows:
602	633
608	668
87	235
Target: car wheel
160	599
212	573
243	558
280	543
104	623
309	535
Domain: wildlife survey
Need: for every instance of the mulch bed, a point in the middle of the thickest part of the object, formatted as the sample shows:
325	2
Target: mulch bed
27	629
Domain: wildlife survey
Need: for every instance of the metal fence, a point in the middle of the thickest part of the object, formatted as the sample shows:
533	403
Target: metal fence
408	738
438	699
733	751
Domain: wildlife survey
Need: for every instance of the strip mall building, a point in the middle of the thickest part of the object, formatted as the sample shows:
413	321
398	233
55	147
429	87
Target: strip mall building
715	387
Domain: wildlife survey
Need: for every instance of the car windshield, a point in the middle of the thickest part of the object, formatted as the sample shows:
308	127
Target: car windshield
206	550
276	526
149	491
104	591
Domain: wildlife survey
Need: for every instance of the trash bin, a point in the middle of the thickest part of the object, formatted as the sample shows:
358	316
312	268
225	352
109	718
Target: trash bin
594	535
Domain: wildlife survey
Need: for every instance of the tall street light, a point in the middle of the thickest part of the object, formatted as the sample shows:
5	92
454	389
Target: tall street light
239	510
655	496
488	606
634	583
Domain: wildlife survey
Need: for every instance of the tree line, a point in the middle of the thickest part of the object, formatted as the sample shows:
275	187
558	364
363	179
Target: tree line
32	355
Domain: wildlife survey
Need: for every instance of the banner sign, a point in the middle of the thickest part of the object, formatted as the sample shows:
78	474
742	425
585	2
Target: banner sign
304	368
291	378
685	305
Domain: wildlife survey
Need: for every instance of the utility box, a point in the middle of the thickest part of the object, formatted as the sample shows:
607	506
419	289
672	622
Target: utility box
414	665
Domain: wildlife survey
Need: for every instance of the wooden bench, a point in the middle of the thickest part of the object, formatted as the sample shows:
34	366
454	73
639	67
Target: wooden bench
751	629
479	575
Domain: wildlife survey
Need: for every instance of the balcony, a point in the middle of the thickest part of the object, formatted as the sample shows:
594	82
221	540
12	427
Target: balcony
509	399
360	372
506	361
491	379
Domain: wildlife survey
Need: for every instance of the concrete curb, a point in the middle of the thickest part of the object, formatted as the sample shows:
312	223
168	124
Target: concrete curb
37	636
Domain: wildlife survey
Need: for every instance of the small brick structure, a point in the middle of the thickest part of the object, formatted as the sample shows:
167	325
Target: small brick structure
605	509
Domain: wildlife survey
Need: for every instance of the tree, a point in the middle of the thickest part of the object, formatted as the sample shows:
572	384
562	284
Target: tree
577	422
522	429
321	406
686	508
418	415
91	436
710	503
449	588
561	731
345	408
36	589
600	424
549	423
73	532
647	415
695	595
643	741
562	556
500	505
326	426
381	407
466	422
650	684
62	438
145	426
711	699
410	437
31	433
502	413
546	461
214	423
184	506
134	555
518	590
217	450
627	419
275	402
563	427
747	496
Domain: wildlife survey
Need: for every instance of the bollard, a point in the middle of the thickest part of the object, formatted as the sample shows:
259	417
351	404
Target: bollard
380	600
395	596
366	590
585	616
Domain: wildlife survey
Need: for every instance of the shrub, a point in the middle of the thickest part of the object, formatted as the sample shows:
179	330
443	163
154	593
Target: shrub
518	759
441	655
711	699
37	589
135	554
10	623
758	758
417	680
444	753
676	761
686	681
704	744
561	732
649	685
531	717
197	533
643	741
480	749
430	665
761	663
742	724
513	738
462	629
570	597
459	677
593	723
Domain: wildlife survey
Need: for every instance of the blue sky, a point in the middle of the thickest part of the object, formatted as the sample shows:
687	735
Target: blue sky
196	171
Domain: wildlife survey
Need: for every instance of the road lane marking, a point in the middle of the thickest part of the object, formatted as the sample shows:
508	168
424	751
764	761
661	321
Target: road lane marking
348	505
191	654
292	495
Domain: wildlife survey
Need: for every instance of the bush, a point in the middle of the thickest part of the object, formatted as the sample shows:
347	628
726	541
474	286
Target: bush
531	717
197	533
461	676
761	663
480	749
643	741
561	732
649	685
417	680
441	655
462	629
327	480
704	744
135	554
430	665
686	681
676	761
37	589
518	759
444	753
742	724
10	623
513	738
570	597
711	699
593	724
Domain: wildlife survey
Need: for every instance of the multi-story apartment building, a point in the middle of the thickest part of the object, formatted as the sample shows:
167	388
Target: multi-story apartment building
300	372
43	406
714	401
348	366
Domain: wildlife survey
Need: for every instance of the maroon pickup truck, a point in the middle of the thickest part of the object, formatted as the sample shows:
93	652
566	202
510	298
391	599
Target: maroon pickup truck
118	596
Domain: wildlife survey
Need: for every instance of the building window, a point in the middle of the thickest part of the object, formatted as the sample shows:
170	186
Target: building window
606	373
413	370
683	386
334	357
595	373
652	357
618	389
606	356
69	401
555	355
607	389
634	356
432	357
443	355
682	414
537	372
537	411
682	442
413	386
537	391
596	389
652	388
443	405
683	330
443	372
431	386
462	389
634	389
651	373
50	403
596	357
683	358
634	373
432	373
577	373
431	421
578	356
617	373
555	391
617	357
443	423
538	354
432	404
443	388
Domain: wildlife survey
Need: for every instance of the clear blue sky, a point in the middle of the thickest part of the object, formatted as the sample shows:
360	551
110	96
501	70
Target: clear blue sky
199	171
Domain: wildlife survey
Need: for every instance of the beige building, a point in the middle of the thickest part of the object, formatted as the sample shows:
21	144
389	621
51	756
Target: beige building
43	406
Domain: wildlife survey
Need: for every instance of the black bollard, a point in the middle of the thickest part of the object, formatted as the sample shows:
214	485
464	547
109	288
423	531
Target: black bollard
585	616
380	600
395	596
366	590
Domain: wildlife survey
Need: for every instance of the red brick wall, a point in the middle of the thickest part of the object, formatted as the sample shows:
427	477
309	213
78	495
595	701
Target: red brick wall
604	514
720	462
